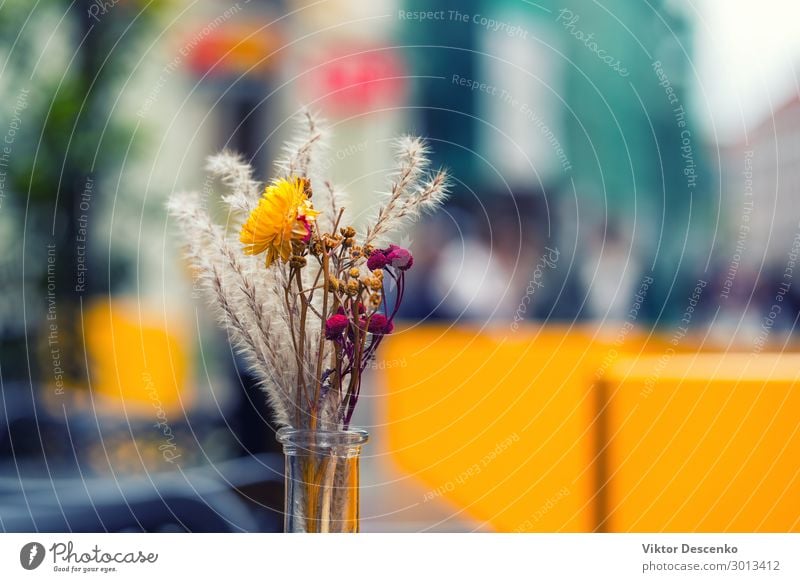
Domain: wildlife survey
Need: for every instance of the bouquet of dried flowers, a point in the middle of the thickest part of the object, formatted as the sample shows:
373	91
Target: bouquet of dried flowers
306	297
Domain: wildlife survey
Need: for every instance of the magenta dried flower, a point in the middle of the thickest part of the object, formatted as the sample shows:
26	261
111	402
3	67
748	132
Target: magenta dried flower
380	325
399	258
335	326
377	260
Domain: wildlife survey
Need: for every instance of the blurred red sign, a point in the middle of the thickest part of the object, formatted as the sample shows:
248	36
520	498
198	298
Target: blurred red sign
357	80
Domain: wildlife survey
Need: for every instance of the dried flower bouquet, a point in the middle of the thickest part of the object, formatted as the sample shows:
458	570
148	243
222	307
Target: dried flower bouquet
305	296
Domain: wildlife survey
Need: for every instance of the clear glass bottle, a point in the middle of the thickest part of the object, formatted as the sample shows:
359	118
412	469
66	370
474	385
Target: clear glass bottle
322	479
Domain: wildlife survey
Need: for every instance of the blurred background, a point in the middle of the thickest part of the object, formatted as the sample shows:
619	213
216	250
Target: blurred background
599	331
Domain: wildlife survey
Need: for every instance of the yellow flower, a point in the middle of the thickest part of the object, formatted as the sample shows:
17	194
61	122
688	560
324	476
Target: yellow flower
284	214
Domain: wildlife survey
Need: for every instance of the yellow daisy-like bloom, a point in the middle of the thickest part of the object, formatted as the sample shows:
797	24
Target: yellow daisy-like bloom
284	214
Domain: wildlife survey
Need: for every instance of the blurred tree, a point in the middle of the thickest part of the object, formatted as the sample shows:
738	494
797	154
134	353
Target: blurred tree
65	62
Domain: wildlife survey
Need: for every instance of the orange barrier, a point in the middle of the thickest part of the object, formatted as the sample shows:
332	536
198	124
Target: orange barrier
703	442
498	424
137	364
511	428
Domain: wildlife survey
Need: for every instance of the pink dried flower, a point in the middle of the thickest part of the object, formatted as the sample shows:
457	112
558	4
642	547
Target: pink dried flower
335	326
399	257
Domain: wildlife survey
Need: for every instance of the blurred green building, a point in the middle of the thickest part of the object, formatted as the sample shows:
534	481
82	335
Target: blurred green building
587	108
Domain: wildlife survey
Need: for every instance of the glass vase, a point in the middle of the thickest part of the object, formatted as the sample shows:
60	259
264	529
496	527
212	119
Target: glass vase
322	479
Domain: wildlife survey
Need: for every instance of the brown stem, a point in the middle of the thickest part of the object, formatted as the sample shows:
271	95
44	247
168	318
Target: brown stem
318	377
298	360
338	220
314	287
301	381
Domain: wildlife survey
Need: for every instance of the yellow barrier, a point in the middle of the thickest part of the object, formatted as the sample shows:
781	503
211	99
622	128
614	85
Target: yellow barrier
703	442
138	364
498	424
511	428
